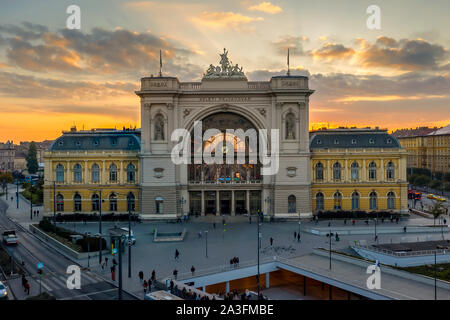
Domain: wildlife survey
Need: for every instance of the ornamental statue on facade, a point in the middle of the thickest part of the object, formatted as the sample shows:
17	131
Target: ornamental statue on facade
225	70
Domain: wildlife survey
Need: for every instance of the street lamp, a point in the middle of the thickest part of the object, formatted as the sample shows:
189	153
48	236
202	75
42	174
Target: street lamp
99	223
299	223
259	244
31	203
329	235
17	193
206	237
129	239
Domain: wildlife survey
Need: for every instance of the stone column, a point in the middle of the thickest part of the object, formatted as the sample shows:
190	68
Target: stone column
121	173
381	175
347	176
86	173
68	179
328	171
233	213
203	202
364	171
247	201
217	203
103	179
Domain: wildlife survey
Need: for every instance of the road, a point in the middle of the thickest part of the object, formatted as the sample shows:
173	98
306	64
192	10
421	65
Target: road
31	250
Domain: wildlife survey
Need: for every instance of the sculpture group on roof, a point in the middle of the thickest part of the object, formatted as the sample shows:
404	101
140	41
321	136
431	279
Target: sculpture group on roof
226	68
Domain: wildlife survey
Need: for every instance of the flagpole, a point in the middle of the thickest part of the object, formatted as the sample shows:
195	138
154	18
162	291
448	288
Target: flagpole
288	71
160	63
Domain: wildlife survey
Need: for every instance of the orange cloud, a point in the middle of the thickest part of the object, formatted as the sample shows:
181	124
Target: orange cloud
266	7
219	20
333	51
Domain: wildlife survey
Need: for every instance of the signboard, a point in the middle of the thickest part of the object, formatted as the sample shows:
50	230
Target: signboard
114	250
40	265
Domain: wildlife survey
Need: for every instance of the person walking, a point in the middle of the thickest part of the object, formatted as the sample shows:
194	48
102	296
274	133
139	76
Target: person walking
295	235
145	284
192	270
271	241
250	218
27	287
237	262
150	283
404	229
345	221
298	237
214	225
141	275
103	264
153	275
175	273
353	222
177	254
106	261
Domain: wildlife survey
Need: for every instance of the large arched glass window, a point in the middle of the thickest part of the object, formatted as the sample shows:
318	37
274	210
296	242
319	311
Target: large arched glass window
337	171
292	204
319	201
159	204
77	202
131	173
373	200
112	202
355	201
59	173
319	171
391	200
390	171
372	171
77	173
95	173
337	200
355	171
113	173
95	202
59	202
131	206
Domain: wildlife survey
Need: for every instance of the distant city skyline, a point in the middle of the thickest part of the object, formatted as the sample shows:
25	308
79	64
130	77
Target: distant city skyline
52	78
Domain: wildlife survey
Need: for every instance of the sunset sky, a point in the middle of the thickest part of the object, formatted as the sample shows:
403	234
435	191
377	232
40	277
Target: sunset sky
52	78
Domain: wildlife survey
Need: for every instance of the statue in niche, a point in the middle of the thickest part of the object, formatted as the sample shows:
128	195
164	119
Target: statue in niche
290	127
159	127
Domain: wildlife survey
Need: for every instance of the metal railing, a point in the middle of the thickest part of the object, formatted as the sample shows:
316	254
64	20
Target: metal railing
402	253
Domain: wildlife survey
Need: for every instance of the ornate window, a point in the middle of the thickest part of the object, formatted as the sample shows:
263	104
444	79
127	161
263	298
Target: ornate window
95	202
292	204
373	200
390	171
391	200
59	173
319	201
112	202
95	173
59	202
77	173
337	200
131	206
131	173
319	171
113	173
355	201
355	171
372	171
77	203
159	124
290	126
337	171
159	205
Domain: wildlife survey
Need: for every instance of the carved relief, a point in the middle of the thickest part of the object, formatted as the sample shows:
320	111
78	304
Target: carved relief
262	111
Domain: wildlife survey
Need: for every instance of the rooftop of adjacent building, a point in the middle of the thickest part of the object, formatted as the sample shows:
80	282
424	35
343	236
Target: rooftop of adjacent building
345	138
98	139
421	132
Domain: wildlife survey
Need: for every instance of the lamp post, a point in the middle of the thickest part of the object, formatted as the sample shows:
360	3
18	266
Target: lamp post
120	267
259	241
31	204
435	276
129	240
99	224
54	206
299	223
330	234
17	193
206	237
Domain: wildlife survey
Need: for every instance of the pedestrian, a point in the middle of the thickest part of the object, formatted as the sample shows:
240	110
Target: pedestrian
250	218
175	273
353	222
114	262
153	275
24	281
103	264
404	229
337	237
298	237
11	199
382	220
397	220
345	221
295	235
27	287
231	263
445	221
329	223
192	270
106	261
223	222
237	262
376	237
145	284
38	213
199	234
113	273
150	282
271	241
177	254
214	225
234	261
141	275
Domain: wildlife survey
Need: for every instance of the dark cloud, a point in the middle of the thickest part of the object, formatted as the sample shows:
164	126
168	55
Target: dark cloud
332	51
295	45
404	54
97	52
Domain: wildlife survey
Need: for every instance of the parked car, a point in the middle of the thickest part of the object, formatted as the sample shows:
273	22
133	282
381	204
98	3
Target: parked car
3	291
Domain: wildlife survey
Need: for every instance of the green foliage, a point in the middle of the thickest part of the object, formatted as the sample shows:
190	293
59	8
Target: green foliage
37	190
412	178
437	209
422	180
447	177
436	184
6	178
32	163
42	296
447	186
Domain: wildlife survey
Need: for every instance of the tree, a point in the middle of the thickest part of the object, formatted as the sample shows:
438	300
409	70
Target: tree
447	186
447	177
435	184
32	163
422	180
6	178
437	210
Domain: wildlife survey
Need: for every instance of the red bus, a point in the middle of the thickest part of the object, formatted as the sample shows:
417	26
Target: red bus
415	195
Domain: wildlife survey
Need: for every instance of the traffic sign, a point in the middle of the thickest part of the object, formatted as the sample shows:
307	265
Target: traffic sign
40	265
114	250
130	243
